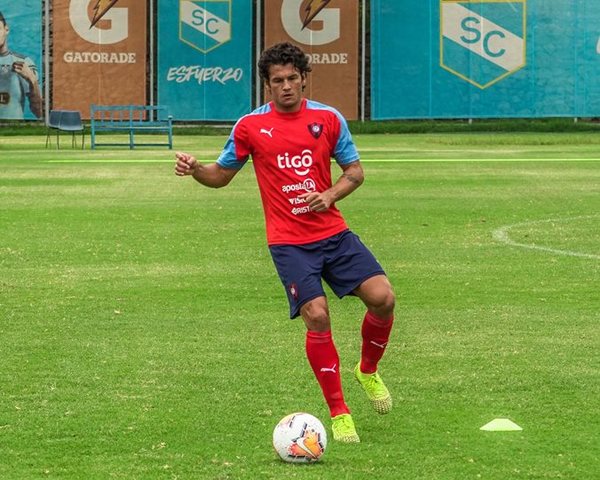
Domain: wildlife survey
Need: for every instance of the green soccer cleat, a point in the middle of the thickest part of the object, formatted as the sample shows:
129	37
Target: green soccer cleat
343	429
378	394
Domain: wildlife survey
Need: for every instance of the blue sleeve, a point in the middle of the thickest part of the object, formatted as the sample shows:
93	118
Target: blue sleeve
345	150
228	157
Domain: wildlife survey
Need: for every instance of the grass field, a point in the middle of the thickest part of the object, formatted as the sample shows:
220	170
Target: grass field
144	332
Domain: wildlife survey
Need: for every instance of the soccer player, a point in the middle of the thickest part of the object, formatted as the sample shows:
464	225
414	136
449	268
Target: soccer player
18	80
291	141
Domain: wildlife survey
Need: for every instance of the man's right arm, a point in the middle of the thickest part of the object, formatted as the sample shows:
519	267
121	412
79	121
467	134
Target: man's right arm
211	174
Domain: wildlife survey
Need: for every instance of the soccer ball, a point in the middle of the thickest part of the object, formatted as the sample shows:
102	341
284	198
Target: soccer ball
300	438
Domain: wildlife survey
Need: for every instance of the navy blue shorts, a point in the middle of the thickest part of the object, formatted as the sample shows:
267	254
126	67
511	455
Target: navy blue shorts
342	261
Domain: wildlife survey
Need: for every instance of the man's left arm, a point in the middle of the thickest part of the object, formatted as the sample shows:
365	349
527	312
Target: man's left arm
35	94
352	177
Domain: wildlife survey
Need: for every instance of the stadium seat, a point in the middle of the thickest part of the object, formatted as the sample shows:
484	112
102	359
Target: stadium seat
66	121
70	121
53	123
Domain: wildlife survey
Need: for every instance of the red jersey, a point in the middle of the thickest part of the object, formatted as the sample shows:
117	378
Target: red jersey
291	153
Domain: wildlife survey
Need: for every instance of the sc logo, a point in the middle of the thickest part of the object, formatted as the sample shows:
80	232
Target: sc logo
118	31
471	25
209	24
292	23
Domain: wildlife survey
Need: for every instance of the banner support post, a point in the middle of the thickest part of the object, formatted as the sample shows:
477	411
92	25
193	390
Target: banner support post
47	61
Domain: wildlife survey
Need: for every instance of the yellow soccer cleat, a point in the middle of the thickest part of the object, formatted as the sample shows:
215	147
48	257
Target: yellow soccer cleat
343	429
378	394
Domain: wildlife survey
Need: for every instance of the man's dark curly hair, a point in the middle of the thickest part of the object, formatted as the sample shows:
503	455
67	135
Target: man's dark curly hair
2	19
282	54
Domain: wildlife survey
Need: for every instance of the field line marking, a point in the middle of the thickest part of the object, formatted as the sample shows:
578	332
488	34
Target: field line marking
501	235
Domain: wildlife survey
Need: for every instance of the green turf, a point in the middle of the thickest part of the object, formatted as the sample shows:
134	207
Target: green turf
144	334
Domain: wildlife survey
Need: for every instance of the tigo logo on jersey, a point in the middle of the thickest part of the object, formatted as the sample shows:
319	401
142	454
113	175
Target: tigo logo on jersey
300	163
482	41
205	24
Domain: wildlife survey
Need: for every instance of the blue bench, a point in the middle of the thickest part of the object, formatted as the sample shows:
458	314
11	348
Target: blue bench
131	119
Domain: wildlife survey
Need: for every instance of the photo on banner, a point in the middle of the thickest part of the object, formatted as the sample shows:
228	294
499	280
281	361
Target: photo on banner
328	32
99	54
21	92
205	58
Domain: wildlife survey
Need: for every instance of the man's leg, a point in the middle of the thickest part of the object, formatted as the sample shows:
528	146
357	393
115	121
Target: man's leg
325	363
378	296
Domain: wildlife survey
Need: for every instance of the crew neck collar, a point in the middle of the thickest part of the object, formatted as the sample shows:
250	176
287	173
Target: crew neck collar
289	114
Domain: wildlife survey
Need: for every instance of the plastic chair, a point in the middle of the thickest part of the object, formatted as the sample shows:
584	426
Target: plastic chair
70	121
53	124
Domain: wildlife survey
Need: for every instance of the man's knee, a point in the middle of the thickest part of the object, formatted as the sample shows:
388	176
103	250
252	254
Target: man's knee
384	304
388	302
315	314
378	296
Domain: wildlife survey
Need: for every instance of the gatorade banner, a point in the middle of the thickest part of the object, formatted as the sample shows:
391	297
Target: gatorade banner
205	58
21	64
99	53
327	30
485	58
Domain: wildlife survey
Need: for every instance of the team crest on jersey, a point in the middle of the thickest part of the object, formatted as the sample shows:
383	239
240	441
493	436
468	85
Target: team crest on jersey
315	129
205	24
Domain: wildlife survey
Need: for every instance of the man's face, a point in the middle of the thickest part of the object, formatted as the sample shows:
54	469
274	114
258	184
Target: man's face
285	87
3	35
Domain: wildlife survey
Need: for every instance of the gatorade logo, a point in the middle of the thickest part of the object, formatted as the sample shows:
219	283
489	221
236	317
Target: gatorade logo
89	30
295	20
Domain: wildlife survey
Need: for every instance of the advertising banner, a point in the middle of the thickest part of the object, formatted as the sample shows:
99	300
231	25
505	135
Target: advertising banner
205	58
99	53
485	58
21	60
326	30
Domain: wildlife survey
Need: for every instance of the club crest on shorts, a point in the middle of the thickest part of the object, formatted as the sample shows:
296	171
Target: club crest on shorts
294	291
483	41
315	129
205	24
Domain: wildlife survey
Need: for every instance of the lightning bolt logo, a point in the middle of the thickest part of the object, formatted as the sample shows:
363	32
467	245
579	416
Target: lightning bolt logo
100	9
312	10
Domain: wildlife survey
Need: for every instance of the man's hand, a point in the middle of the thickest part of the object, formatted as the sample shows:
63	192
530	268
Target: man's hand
318	201
35	95
350	180
186	164
24	71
